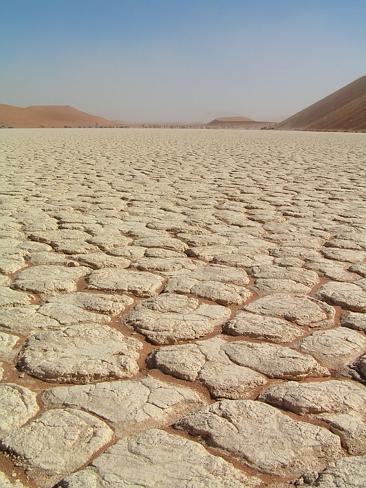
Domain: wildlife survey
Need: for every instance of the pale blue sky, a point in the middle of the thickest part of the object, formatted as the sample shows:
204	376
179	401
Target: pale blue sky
186	60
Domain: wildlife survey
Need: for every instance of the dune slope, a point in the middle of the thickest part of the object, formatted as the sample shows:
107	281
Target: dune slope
344	110
48	116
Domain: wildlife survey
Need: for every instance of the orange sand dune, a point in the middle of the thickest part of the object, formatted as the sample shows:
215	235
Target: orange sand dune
237	122
231	119
49	116
343	110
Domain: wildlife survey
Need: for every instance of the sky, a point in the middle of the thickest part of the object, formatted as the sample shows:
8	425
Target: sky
179	60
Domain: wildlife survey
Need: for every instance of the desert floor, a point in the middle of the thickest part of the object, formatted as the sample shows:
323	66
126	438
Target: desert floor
182	309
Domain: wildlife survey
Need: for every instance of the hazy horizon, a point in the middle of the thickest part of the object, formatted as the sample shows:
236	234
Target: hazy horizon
166	61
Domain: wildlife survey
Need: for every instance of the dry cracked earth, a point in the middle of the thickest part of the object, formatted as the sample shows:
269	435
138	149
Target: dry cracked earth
182	309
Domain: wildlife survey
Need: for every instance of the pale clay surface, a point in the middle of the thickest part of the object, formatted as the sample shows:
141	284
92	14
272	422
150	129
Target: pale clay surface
233	369
211	281
344	473
129	405
233	426
170	317
341	404
17	406
156	458
79	354
56	443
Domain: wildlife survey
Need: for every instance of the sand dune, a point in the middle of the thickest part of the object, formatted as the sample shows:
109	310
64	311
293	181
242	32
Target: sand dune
231	120
48	116
343	110
237	122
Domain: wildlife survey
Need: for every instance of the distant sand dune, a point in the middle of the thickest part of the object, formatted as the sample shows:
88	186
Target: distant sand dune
343	110
49	116
237	122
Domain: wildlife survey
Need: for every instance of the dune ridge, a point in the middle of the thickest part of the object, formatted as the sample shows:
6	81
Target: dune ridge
342	110
49	116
